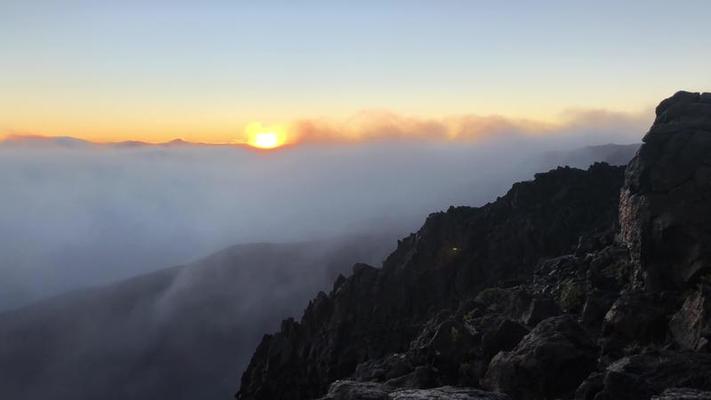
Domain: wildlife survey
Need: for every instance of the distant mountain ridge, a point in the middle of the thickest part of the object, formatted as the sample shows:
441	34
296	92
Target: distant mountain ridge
73	142
183	332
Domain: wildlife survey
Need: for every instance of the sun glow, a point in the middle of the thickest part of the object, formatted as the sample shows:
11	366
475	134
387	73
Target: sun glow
265	137
266	140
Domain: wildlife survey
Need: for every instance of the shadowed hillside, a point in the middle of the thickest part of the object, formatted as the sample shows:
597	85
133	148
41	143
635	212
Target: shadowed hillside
183	333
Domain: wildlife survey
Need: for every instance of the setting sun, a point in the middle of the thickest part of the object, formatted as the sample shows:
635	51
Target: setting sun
265	137
266	140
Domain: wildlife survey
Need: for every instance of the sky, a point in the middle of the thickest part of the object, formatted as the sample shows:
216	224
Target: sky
203	71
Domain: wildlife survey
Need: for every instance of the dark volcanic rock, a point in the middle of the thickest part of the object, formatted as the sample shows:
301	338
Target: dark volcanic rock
445	345
503	336
550	361
691	325
350	390
376	312
447	393
665	210
636	318
683	394
642	376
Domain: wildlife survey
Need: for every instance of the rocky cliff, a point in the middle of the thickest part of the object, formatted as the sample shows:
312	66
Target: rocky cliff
533	296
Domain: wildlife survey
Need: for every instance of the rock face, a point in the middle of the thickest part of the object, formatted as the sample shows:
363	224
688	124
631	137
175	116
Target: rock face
664	206
683	394
564	287
456	254
641	376
350	390
691	325
549	362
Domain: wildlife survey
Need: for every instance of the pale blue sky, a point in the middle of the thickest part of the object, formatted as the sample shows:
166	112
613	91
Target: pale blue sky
142	69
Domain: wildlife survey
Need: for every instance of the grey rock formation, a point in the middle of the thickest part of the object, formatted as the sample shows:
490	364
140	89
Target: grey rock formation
665	210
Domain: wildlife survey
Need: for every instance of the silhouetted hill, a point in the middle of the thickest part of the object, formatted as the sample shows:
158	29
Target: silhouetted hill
543	294
183	333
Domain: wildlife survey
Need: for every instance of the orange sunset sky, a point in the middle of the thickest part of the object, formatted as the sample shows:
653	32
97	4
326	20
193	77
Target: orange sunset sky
156	71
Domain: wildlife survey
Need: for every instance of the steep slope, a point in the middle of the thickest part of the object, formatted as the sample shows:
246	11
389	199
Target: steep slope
454	255
184	332
535	295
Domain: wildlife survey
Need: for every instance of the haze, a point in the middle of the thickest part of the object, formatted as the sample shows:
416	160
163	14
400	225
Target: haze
76	214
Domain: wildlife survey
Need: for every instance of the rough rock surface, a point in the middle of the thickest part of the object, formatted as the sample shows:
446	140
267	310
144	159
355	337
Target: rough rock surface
691	325
562	288
350	390
456	254
641	376
664	205
549	362
683	394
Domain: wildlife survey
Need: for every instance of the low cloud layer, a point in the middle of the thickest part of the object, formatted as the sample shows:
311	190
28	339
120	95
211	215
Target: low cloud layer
379	125
73	215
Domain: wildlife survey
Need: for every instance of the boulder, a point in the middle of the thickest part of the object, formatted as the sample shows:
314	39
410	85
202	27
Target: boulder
550	361
445	346
503	335
641	376
636	318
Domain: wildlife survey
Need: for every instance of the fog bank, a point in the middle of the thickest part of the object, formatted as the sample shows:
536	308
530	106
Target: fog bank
75	214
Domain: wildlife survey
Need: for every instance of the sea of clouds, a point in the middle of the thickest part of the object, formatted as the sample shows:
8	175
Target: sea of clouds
74	214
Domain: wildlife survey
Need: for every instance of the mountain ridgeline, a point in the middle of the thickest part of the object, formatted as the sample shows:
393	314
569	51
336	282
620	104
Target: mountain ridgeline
184	332
579	284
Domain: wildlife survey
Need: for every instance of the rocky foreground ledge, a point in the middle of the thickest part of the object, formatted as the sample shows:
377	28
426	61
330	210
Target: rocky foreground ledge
579	284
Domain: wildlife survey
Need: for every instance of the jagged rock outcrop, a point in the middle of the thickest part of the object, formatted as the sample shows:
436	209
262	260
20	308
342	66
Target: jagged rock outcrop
376	312
664	205
562	288
549	362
